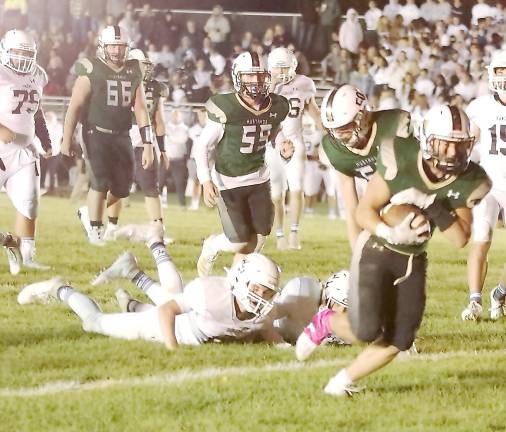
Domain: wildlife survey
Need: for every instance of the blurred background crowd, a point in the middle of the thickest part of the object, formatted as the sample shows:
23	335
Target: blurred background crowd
409	54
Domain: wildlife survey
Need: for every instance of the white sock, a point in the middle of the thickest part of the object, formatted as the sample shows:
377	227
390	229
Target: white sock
195	202
27	248
82	305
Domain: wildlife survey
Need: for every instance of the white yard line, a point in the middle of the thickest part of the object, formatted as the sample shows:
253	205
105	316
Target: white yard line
186	375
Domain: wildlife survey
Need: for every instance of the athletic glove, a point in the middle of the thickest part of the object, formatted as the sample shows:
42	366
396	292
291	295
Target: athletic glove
403	233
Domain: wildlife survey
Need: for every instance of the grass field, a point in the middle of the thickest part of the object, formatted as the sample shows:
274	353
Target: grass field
54	377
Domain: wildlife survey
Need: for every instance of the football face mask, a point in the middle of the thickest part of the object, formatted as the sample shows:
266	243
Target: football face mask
255	85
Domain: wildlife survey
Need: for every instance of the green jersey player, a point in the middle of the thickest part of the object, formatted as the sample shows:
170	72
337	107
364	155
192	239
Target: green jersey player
104	93
387	293
354	136
147	179
239	127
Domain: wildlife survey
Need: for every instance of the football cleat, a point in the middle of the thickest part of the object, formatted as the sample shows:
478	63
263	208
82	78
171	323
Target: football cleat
293	241
96	236
207	258
314	334
281	243
497	307
335	387
123	298
472	312
40	292
110	231
125	267
12	251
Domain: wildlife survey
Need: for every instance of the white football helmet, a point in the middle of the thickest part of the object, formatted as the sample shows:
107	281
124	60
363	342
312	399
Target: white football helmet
147	64
445	138
335	290
250	63
497	83
345	115
255	269
18	51
282	58
113	35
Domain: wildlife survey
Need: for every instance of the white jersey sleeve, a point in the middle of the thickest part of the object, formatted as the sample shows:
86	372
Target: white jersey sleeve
298	92
489	115
21	96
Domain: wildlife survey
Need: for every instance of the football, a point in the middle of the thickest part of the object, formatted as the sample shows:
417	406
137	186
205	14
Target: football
393	214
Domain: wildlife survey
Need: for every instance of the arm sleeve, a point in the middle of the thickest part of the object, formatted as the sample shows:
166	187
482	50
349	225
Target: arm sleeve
41	130
205	145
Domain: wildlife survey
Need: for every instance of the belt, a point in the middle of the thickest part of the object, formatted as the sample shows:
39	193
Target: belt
109	131
312	158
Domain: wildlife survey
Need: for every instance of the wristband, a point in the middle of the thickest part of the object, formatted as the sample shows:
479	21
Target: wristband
160	139
146	134
438	214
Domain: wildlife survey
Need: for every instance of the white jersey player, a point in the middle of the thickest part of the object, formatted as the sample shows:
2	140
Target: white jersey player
318	169
193	187
21	118
300	92
488	120
206	309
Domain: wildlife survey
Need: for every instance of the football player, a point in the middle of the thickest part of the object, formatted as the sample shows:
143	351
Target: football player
206	309
21	118
239	126
353	139
488	120
193	187
317	169
435	175
146	178
300	92
106	89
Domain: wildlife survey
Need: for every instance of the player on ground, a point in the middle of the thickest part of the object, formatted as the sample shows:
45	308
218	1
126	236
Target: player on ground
239	126
488	120
300	92
21	118
206	309
146	178
354	137
104	93
435	176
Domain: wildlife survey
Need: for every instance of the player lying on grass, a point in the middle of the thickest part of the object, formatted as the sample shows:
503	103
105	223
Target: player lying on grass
388	273
208	308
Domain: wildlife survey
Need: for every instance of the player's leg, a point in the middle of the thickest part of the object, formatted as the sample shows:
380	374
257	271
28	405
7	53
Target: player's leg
295	178
237	236
11	245
23	190
484	219
311	186
193	184
278	189
113	213
498	293
330	189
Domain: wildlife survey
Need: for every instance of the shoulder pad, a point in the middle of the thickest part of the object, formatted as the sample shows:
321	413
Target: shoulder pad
306	83
84	67
214	109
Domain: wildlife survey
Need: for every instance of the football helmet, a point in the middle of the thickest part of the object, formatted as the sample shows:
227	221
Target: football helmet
497	83
250	63
282	58
113	35
253	270
345	115
147	64
335	290
445	138
18	51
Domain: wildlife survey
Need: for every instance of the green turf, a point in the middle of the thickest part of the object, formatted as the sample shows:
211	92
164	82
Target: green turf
461	390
